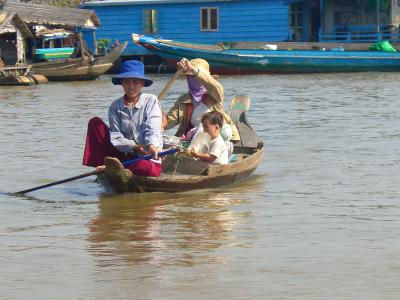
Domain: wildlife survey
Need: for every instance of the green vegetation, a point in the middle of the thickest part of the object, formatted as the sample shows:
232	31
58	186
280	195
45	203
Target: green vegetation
103	44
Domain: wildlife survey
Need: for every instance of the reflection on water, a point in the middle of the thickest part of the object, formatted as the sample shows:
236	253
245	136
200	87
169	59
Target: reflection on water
152	228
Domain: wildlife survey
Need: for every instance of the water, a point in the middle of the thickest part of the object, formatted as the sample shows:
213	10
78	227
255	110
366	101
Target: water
319	219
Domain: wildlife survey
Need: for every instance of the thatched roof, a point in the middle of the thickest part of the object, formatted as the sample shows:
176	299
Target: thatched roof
35	14
12	18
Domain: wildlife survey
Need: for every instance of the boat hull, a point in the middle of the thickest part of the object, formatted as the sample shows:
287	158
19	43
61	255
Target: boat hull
78	68
71	73
215	176
259	61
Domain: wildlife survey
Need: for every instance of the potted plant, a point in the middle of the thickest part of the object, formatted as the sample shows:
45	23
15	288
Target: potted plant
103	45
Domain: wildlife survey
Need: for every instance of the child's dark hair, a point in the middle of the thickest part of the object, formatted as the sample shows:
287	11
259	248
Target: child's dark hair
215	118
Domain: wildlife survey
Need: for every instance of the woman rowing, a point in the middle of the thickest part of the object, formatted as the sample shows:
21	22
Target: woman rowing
135	125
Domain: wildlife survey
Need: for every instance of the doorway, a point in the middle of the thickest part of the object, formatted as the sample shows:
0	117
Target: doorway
296	21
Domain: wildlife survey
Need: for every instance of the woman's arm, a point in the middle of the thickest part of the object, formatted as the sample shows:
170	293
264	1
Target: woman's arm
214	88
151	126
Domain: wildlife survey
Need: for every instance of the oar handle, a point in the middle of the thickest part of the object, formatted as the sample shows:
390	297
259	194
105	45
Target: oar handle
166	89
57	182
147	157
95	172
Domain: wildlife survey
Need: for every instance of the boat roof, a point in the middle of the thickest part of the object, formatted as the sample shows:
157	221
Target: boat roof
52	34
12	17
35	14
141	2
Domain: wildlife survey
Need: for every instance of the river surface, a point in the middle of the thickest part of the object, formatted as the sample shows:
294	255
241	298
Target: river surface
319	219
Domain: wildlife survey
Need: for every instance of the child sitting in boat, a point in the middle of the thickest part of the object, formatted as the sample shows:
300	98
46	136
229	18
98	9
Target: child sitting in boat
218	151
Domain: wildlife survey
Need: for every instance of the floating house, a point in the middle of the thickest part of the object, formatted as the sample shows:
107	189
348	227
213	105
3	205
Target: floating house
13	34
55	27
201	21
359	21
193	21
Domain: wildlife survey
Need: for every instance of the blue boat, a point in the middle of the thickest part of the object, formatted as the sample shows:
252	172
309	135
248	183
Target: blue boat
225	60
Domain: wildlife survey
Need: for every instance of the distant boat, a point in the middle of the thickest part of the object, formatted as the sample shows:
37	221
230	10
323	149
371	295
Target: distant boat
87	68
254	61
53	53
19	75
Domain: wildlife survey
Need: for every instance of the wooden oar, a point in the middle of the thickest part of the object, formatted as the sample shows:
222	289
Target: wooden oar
166	89
95	172
126	163
57	182
239	105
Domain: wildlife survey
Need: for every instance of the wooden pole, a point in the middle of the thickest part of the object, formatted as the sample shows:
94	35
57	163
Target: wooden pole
95	172
82	47
166	89
95	42
378	19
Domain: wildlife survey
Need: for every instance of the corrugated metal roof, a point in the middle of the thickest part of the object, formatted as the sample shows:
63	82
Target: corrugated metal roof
36	14
141	2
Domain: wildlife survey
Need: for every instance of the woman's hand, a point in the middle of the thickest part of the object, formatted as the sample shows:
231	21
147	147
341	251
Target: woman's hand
141	149
100	169
151	149
186	67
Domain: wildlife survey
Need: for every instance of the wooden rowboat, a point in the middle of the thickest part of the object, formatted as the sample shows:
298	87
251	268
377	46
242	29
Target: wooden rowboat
182	173
70	72
19	76
70	69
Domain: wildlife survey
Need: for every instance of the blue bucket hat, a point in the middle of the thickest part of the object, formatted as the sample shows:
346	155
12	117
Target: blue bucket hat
131	69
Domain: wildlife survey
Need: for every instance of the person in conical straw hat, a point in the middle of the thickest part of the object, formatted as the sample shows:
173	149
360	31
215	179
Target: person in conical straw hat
205	94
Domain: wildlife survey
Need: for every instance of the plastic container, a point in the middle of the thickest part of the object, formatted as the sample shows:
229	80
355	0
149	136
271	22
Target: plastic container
271	47
200	143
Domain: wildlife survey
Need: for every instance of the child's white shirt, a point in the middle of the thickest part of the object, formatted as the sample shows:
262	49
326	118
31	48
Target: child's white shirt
219	149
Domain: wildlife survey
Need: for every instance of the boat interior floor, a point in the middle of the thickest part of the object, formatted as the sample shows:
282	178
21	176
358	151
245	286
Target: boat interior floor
182	165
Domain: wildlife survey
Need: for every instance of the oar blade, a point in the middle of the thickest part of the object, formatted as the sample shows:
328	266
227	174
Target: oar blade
56	183
240	104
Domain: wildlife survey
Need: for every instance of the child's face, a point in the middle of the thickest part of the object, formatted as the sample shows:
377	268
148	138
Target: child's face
211	129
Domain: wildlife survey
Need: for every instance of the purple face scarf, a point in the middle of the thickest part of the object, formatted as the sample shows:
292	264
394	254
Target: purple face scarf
196	90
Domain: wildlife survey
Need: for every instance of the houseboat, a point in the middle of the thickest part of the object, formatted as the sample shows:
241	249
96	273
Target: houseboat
59	47
302	23
54	27
13	35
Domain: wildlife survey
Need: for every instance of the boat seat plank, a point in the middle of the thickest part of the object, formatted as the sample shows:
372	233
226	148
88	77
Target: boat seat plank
184	165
